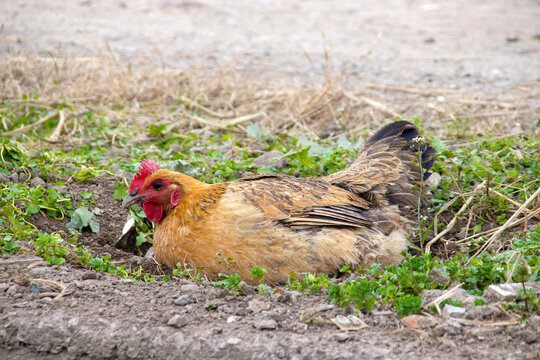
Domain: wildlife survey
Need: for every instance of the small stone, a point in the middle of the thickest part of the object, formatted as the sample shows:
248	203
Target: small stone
247	289
60	189
295	295
454	311
350	322
445	328
454	323
46	300
12	289
257	305
23	177
484	312
3	178
233	341
283	297
486	332
266	324
189	288
177	321
530	336
182	300
13	177
73	323
419	321
509	292
326	307
341	337
89	275
231	319
149	253
37	182
534	321
433	180
217	331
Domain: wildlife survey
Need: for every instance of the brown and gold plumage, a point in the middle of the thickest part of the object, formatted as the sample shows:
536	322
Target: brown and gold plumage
286	224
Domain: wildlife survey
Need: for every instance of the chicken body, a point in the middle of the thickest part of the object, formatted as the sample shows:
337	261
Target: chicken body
286	224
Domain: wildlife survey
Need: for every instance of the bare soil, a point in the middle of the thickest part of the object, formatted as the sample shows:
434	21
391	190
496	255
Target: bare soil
485	51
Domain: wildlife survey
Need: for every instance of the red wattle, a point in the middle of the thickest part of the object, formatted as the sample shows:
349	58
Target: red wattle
153	211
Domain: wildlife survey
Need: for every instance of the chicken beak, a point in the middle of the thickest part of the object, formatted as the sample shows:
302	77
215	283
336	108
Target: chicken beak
132	200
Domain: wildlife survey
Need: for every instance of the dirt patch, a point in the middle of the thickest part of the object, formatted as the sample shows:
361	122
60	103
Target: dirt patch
104	317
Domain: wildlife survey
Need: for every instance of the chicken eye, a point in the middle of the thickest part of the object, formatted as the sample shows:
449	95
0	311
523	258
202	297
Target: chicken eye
157	185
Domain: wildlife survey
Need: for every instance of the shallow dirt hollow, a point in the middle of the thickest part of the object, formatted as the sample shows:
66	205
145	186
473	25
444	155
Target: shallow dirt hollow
477	46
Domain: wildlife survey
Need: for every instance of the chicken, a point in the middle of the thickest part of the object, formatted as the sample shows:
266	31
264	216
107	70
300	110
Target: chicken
286	224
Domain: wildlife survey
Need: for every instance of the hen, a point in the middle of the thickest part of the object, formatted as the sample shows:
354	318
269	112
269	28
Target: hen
286	224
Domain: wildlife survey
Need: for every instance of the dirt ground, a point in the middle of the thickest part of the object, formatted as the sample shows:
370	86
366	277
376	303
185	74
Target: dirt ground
488	52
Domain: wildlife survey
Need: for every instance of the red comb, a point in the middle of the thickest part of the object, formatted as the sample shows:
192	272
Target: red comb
146	168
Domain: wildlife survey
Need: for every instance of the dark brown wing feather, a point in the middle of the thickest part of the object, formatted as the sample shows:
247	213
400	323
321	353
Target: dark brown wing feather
382	174
387	165
303	202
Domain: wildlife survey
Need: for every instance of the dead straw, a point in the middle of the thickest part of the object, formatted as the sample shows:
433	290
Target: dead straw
508	223
454	220
23	129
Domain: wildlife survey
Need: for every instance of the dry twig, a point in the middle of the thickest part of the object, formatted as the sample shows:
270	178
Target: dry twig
453	222
508	223
49	116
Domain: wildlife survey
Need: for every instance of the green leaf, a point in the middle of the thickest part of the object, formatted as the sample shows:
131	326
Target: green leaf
32	208
81	218
302	156
140	239
94	226
259	133
120	192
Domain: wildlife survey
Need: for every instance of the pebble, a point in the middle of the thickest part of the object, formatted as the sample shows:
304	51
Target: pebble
433	180
509	292
177	321
266	324
483	312
534	321
149	253
247	289
189	288
282	297
23	177
530	336
3	178
233	341
454	311
341	337
419	321
60	189
349	322
231	319
445	328
13	177
182	300
89	275
12	289
257	305
37	182
486	332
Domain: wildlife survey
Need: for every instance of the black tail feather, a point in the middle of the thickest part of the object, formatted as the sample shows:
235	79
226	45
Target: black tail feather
409	132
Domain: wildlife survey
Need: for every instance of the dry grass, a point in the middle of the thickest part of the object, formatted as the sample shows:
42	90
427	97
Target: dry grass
148	95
